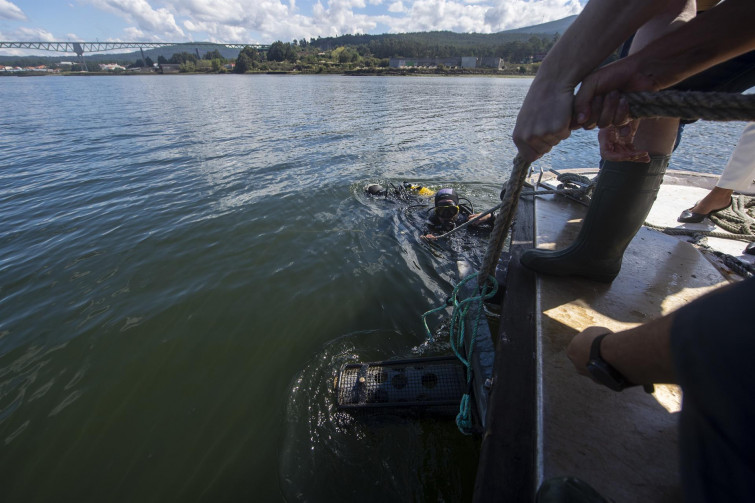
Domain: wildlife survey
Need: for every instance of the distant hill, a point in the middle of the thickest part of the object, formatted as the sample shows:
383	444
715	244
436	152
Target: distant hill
551	28
449	38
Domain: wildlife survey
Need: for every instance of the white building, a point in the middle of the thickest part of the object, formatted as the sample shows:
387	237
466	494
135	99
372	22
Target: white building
111	67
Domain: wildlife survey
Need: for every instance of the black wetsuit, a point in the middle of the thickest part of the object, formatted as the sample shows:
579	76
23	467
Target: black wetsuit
437	226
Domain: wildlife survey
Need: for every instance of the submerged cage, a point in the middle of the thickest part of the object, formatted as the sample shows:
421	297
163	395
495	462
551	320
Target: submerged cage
433	385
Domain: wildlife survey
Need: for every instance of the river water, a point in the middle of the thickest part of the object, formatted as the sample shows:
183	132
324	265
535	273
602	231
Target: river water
187	261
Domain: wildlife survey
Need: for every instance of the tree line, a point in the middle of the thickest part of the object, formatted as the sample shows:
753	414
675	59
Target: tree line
369	51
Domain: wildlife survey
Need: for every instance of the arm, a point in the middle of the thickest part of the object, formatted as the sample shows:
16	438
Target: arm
642	354
700	335
481	221
723	32
545	117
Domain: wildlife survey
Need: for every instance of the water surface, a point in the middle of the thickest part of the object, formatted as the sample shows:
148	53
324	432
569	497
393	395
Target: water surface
186	261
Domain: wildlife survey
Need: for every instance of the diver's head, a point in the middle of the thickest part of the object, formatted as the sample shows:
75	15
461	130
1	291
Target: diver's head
446	204
376	190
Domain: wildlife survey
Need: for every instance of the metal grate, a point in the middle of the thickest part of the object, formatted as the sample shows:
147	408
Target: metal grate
431	384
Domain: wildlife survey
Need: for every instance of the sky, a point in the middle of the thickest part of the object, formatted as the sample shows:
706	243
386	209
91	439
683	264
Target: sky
261	21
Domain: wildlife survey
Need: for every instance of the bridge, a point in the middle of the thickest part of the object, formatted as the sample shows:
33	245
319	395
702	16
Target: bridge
81	47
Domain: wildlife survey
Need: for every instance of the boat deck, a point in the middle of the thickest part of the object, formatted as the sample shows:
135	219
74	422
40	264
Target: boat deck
623	444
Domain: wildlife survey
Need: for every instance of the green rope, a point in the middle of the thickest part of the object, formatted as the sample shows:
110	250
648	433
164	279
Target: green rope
457	337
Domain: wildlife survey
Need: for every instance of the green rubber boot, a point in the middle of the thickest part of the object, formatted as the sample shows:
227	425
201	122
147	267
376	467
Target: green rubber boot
623	196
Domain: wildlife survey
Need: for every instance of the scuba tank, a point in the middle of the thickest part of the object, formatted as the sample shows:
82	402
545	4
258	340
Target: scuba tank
401	192
418	189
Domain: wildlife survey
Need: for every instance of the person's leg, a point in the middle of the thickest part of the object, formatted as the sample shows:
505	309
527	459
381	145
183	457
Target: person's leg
739	175
717	199
658	136
625	191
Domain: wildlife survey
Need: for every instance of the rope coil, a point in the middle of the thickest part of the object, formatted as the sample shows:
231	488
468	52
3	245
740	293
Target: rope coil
738	219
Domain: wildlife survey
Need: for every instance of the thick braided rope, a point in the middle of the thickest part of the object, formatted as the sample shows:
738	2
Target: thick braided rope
678	231
692	105
503	222
738	218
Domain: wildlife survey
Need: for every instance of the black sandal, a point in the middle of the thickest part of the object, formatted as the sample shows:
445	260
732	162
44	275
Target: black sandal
690	217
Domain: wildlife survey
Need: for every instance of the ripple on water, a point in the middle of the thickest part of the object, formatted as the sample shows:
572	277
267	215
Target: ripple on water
19	379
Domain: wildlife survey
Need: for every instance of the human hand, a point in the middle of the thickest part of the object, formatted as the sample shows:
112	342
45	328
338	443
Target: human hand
617	144
479	221
429	237
607	110
543	120
598	102
578	350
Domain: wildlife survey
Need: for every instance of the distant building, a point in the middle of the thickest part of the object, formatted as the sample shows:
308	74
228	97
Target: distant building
469	62
40	68
464	62
423	62
450	62
111	67
490	62
170	68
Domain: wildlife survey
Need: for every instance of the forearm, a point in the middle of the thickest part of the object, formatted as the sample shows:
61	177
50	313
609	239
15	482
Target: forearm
642	354
546	114
602	26
711	38
713	327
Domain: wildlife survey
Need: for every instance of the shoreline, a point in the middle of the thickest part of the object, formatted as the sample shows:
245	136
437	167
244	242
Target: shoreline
347	73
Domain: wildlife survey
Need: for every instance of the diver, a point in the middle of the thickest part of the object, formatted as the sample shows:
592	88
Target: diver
448	213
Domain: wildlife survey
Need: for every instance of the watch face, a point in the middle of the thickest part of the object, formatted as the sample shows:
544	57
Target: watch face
606	375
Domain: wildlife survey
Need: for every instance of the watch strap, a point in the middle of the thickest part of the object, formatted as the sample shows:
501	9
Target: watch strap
596	355
595	347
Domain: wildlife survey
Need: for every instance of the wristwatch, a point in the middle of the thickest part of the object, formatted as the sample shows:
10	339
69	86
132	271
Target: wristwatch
602	371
